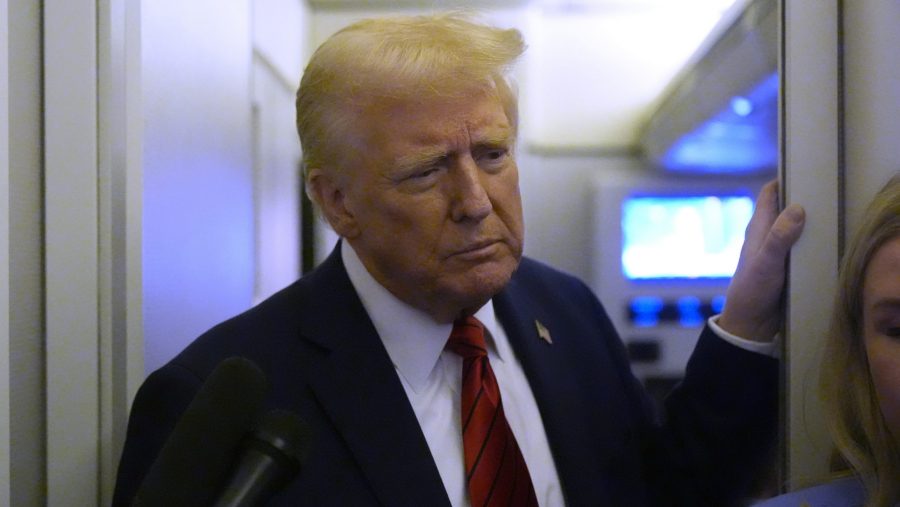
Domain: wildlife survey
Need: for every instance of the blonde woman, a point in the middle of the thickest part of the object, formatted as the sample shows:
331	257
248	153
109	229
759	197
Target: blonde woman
860	374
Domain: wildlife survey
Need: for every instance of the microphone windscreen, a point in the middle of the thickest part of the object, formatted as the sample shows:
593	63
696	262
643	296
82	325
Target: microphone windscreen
287	432
194	462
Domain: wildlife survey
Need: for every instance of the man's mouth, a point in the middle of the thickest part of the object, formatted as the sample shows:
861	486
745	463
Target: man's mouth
477	250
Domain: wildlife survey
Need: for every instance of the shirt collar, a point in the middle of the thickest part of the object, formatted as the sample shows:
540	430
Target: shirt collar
413	340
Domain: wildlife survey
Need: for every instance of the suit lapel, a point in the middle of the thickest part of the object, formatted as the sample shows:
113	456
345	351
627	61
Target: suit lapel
359	389
568	412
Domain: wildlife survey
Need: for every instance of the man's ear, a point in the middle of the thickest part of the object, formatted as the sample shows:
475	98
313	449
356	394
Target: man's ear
328	191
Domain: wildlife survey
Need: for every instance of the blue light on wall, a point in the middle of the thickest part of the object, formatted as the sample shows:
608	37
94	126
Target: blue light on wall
742	138
645	310
689	312
717	304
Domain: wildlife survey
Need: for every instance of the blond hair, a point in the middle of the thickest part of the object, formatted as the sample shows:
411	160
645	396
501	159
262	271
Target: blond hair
856	422
443	55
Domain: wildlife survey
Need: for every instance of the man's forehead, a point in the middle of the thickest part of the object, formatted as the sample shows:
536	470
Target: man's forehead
439	121
483	130
462	136
427	97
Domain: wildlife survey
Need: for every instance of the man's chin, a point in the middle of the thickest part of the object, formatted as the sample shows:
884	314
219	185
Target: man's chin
479	286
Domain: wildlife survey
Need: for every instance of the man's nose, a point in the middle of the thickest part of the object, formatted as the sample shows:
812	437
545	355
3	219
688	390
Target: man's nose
471	200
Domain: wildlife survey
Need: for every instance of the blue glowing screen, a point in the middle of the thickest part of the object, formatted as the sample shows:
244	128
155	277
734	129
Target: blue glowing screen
683	237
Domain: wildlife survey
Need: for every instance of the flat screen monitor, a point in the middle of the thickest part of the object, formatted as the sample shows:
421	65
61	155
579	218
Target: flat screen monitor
683	237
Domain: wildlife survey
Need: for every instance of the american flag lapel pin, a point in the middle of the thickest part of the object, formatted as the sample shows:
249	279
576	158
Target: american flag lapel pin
543	332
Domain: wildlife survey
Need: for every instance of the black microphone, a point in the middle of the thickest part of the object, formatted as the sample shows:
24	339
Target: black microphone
272	456
195	460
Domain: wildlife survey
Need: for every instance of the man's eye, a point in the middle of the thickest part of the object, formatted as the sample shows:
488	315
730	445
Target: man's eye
425	176
424	173
493	156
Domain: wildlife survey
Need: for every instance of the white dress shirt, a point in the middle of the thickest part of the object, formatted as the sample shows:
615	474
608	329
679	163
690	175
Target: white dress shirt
432	378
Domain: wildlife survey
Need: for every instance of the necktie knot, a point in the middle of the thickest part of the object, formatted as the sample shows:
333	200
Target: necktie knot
467	338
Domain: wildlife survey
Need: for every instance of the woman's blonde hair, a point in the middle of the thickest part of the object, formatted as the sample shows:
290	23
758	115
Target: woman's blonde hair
443	55
855	418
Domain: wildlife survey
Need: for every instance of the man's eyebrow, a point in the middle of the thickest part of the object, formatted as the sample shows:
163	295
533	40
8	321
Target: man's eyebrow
494	141
418	159
498	136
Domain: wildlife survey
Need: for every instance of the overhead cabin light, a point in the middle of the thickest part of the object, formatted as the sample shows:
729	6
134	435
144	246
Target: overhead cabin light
741	106
734	140
730	142
721	113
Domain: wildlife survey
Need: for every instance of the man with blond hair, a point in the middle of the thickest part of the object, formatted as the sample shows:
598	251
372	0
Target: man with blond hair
409	127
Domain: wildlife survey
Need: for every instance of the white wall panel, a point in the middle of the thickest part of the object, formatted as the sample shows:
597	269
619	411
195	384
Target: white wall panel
71	256
276	183
118	183
872	95
198	188
26	266
279	52
280	34
4	257
811	146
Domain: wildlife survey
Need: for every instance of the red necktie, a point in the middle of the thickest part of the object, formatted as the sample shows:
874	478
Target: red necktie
496	473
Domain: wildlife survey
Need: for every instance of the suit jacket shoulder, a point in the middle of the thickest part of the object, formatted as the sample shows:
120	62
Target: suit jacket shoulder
324	361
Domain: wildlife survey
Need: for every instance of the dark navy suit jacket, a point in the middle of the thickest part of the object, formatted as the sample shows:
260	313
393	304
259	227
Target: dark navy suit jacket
325	361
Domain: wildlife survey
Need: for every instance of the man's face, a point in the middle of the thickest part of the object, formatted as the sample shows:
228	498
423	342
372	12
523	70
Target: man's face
881	329
432	202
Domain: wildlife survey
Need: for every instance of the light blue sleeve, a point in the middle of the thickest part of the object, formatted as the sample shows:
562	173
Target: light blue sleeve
847	492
